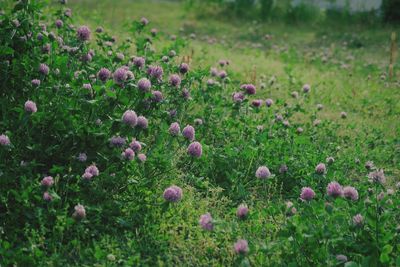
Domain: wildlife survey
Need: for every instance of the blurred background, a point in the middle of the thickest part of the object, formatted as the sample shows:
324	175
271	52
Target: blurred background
369	11
290	11
316	29
310	10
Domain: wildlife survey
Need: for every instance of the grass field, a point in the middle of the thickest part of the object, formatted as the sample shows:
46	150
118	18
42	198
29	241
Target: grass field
122	215
344	62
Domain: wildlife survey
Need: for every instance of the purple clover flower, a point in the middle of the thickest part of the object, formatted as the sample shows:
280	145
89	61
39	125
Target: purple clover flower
144	21
206	222
269	102
188	132
350	192
213	72
222	74
358	220
87	86
142	157
47	181
320	168
44	69
87	57
117	141
263	172
173	194
142	122
195	150
104	74
59	23
183	68
155	72
30	106
83	33
130	118
377	176
185	93
242	211
35	82
241	247
238	97
250	89
256	103
4	140
334	189
283	169
175	80
90	172
135	145
306	88
47	197
82	157
79	212
120	75
174	129
119	56
68	11
139	62
144	85
128	154
157	96
307	194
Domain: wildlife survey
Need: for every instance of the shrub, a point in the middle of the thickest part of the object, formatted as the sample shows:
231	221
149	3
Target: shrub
303	13
266	8
391	10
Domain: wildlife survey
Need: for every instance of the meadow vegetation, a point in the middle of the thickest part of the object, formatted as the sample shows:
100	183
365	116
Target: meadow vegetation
149	133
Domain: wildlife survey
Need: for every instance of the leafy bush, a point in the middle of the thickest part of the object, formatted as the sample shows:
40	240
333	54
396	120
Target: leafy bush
241	6
266	8
391	10
303	13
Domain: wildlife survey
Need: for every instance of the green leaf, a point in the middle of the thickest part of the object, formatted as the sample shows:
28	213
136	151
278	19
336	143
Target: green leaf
109	83
111	94
387	249
384	258
97	88
5	50
351	264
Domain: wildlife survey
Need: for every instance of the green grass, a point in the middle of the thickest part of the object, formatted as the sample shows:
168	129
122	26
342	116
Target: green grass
367	101
127	217
292	56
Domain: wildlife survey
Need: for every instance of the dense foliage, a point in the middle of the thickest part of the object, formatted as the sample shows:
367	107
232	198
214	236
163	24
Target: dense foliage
301	12
391	10
114	159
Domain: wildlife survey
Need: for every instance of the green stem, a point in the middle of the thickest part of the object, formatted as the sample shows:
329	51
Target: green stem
377	222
